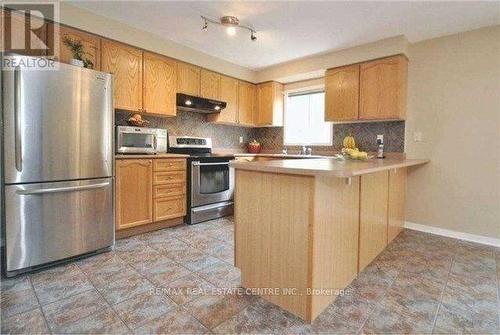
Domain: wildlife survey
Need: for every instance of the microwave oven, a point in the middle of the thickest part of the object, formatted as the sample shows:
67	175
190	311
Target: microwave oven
136	140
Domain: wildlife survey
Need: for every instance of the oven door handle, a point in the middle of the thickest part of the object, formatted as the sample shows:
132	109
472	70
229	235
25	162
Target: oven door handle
205	164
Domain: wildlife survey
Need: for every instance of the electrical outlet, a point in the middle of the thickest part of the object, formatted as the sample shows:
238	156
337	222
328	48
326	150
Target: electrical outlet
380	137
241	139
417	136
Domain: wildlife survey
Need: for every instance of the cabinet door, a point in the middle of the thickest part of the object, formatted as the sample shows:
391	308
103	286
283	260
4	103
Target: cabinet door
188	79
210	85
228	94
397	194
383	89
125	63
91	46
342	93
159	86
246	103
169	208
269	104
372	216
134	187
25	35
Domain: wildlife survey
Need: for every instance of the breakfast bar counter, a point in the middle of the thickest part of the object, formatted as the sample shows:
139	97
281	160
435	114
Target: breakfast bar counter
304	228
317	165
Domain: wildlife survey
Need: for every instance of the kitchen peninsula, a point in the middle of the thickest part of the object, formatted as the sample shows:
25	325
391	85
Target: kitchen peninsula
307	227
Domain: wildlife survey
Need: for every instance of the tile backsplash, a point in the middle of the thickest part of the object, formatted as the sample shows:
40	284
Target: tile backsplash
227	137
364	133
195	124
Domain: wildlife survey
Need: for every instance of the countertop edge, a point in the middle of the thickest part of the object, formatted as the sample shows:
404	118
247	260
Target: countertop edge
145	156
347	173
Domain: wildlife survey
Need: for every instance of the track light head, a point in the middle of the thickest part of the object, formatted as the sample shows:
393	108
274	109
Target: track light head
205	26
253	37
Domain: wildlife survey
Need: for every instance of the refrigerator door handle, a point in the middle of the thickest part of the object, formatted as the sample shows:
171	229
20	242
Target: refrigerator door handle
17	117
62	189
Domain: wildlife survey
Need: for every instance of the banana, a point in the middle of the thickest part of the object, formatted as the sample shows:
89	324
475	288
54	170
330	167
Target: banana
349	142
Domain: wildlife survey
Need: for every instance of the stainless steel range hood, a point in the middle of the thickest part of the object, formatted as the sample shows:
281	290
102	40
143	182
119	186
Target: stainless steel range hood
200	105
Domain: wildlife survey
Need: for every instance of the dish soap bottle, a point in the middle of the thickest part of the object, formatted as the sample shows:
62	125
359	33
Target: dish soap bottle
380	144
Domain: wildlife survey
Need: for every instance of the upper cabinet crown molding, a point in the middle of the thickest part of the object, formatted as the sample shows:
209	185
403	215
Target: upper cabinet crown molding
373	90
188	79
125	63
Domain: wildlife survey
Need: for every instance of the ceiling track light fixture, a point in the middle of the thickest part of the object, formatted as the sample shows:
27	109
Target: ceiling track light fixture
231	22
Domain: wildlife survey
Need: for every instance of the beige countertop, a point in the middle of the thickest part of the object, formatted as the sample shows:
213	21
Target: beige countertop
165	155
327	166
277	155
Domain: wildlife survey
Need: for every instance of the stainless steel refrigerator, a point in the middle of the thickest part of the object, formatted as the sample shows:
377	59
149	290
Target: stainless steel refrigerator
58	164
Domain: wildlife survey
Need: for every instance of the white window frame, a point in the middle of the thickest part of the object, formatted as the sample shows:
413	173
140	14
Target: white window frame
303	90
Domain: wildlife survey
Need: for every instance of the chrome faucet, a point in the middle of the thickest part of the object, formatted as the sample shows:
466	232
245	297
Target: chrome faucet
305	150
284	151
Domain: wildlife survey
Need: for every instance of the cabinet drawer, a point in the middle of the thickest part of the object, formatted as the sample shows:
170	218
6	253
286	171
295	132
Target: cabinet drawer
169	165
169	190
169	208
160	178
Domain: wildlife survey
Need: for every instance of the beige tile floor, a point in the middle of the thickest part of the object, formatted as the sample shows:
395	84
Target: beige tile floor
178	280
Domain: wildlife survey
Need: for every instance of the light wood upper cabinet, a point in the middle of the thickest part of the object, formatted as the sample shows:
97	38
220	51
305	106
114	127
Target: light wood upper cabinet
159	87
341	93
396	209
269	111
373	216
91	46
210	84
188	79
383	88
247	99
134	199
125	63
228	94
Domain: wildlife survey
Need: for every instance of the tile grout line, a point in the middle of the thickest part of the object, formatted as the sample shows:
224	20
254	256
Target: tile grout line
39	305
441	297
182	306
358	332
104	299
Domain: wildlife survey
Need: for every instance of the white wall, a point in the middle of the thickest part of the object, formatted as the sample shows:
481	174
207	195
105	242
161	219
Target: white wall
454	100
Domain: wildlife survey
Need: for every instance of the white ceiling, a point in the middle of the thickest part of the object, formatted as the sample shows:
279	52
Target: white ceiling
288	30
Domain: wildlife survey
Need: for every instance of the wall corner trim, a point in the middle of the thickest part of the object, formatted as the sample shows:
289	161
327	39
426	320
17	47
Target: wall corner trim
495	242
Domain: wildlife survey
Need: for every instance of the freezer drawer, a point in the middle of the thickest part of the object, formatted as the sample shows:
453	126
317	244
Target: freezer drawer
52	221
58	125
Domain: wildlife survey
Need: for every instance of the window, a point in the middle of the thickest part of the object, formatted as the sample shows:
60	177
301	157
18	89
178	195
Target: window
305	119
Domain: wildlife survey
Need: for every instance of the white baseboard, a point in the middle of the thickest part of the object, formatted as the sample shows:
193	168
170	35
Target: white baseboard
495	242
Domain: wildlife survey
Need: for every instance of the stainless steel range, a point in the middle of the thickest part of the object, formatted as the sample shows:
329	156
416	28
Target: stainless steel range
210	179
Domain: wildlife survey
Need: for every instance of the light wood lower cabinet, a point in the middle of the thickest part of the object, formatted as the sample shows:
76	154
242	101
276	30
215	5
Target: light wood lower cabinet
134	199
169	208
396	210
373	216
149	191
